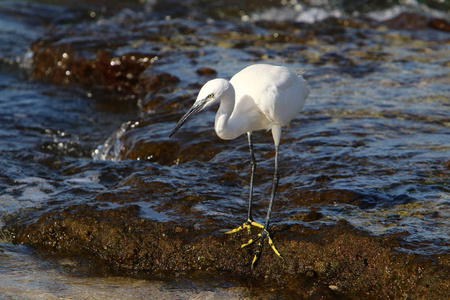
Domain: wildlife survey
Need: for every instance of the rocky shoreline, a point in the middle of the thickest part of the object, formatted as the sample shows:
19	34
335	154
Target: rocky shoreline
126	58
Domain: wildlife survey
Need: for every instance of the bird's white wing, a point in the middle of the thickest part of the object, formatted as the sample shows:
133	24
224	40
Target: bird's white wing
268	90
284	95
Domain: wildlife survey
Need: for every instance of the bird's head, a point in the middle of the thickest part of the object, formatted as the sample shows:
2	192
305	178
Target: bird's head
209	94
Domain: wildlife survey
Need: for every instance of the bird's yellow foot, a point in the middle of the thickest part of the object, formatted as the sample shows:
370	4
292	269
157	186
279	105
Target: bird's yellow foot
247	225
262	236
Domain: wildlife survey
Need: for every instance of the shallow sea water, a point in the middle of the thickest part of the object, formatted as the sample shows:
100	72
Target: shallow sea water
27	276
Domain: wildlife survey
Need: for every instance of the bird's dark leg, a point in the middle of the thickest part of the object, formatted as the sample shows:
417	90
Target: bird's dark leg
276	177
265	231
249	223
253	165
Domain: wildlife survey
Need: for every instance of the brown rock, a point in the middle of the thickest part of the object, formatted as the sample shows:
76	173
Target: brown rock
329	262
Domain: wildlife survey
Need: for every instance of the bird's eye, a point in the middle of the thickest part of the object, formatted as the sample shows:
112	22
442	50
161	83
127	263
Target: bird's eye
210	96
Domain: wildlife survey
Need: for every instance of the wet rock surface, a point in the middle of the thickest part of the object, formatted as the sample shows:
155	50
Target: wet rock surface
329	262
362	206
156	223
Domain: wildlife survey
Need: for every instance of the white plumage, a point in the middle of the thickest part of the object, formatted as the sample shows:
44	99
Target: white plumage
259	97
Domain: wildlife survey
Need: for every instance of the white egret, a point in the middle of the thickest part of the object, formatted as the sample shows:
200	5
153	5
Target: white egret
259	97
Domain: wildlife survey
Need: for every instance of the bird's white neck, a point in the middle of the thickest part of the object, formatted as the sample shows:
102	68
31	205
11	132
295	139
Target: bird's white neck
223	128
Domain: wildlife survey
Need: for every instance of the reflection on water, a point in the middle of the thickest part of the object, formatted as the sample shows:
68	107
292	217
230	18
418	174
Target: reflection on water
25	276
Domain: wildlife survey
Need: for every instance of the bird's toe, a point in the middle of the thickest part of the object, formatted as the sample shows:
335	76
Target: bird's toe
247	225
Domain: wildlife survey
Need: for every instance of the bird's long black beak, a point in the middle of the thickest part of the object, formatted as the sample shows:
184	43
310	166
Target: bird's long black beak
195	109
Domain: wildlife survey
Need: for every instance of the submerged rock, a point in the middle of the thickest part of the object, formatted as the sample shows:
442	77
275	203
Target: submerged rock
328	262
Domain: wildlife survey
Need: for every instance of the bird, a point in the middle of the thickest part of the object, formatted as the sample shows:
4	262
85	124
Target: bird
259	97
